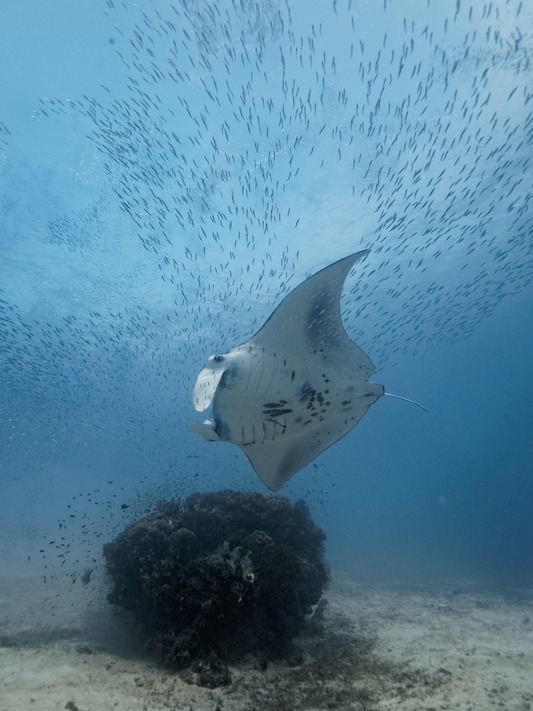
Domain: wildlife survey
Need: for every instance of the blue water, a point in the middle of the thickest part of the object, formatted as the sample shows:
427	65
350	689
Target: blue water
169	171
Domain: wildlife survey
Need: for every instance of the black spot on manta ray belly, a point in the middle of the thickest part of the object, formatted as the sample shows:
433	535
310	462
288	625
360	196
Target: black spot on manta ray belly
276	409
274	412
307	392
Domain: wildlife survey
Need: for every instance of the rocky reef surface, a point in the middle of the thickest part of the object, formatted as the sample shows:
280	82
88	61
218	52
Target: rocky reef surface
217	576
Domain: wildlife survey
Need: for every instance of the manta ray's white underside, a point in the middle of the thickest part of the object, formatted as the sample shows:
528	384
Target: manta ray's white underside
296	387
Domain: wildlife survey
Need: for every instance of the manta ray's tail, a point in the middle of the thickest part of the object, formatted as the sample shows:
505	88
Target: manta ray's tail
406	399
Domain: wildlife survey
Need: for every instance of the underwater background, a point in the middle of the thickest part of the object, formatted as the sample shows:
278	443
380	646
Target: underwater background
170	170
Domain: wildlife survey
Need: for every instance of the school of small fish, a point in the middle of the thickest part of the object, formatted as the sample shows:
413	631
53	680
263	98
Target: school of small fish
250	144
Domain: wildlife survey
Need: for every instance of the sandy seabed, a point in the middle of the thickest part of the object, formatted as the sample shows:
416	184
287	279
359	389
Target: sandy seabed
381	646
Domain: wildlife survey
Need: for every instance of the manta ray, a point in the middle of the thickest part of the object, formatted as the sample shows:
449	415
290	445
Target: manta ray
293	389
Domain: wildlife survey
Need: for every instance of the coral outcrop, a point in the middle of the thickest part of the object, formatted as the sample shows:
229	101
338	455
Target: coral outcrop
217	576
